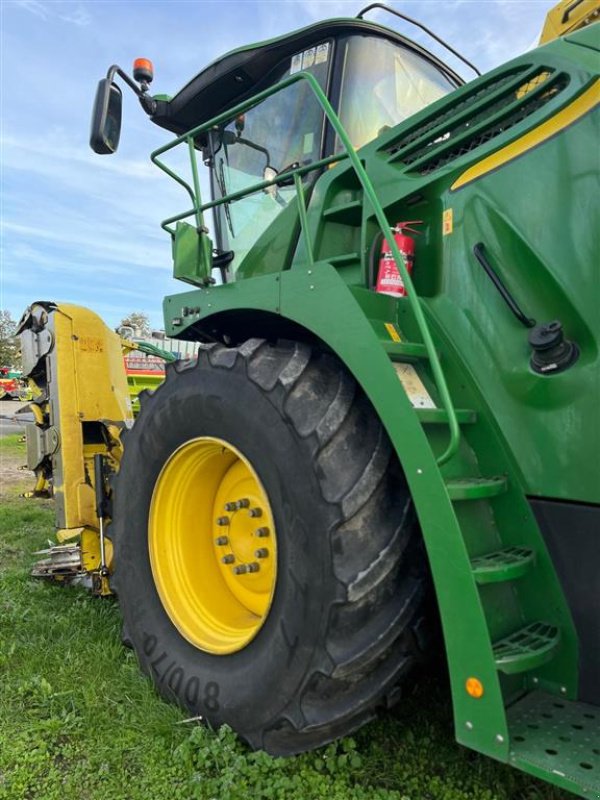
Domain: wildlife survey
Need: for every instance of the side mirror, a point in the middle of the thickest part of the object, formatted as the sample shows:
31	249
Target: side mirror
106	118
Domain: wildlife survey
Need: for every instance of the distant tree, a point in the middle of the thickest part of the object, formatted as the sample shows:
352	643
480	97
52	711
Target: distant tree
9	344
139	322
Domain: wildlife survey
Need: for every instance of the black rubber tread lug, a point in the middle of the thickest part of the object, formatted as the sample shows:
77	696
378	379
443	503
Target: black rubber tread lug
359	541
181	365
267	363
330	701
345	457
371	644
338	409
371	477
221	356
295	366
312	396
380	569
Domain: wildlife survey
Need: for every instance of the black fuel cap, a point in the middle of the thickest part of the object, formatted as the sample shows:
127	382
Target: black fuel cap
551	351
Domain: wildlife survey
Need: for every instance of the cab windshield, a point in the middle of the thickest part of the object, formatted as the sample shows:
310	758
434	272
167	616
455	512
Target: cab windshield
382	85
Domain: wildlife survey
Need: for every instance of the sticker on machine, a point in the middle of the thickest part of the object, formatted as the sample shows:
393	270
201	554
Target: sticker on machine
296	64
322	53
413	386
308	58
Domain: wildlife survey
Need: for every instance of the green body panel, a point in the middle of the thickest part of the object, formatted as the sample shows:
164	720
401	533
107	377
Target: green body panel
505	617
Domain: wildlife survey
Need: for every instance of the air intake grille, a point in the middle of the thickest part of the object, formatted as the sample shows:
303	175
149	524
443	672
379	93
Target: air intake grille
515	100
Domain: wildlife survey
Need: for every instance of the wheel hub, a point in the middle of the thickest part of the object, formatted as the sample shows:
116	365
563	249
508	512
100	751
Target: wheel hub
212	545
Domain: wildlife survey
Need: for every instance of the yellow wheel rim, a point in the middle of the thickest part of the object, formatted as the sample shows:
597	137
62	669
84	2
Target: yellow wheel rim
212	545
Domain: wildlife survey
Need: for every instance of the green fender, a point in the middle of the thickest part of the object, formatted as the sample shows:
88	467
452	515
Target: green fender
319	300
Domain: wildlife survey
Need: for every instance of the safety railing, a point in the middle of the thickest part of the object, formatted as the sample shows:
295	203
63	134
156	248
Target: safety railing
198	209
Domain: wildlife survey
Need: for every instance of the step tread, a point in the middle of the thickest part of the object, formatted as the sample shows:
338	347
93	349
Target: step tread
527	648
401	351
438	416
503	565
344	258
353	208
552	736
475	488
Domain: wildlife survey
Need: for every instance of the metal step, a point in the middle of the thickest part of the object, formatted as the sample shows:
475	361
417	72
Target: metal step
475	488
348	213
439	416
342	260
558	740
527	648
503	565
404	351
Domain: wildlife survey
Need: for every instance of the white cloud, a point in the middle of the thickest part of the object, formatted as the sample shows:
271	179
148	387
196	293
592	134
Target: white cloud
72	13
34	7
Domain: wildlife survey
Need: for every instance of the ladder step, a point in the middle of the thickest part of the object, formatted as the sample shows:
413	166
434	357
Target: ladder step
437	416
526	649
343	259
404	351
350	213
475	488
551	736
503	565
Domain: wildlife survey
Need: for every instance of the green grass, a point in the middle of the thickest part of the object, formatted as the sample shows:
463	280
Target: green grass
11	446
79	722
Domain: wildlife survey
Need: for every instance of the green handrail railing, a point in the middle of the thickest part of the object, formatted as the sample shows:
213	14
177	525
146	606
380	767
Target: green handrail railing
369	193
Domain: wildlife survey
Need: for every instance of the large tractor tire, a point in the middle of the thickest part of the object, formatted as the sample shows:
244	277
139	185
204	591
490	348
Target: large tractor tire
268	560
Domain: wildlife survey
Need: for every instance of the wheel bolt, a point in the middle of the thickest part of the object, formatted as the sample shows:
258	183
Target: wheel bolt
255	512
228	559
241	569
262	552
253	567
261	532
243	503
221	541
222	521
230	506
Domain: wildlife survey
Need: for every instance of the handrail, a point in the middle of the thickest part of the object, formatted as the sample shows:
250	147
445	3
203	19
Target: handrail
369	193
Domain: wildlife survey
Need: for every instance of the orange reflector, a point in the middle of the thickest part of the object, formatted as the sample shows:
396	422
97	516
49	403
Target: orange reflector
474	687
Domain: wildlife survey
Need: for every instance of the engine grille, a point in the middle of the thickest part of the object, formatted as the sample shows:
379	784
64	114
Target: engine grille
434	144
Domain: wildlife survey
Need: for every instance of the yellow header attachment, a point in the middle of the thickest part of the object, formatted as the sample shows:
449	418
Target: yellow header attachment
74	364
568	16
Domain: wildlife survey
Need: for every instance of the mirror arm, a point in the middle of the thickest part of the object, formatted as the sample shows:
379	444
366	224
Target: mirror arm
148	103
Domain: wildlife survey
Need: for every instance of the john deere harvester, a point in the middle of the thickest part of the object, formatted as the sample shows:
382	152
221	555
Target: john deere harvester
394	405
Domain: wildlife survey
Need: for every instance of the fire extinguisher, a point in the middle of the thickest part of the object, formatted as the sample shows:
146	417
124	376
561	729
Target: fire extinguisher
389	280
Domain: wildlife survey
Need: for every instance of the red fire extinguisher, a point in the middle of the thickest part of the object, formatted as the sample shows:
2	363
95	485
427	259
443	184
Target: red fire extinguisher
389	280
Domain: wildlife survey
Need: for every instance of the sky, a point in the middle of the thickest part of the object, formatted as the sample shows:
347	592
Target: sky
82	228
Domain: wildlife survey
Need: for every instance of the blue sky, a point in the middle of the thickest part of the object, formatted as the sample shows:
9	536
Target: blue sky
84	228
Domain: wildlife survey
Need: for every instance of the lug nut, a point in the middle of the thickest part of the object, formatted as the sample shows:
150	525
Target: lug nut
253	567
222	521
230	506
221	541
255	512
228	559
261	532
243	503
262	552
241	569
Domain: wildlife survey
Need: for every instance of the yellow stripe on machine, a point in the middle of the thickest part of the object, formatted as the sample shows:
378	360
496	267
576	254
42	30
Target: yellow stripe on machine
582	105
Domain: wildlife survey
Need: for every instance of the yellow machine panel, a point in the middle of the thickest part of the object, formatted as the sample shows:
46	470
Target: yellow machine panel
74	364
568	16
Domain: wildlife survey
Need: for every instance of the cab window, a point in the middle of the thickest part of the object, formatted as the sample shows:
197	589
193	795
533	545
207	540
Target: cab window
382	85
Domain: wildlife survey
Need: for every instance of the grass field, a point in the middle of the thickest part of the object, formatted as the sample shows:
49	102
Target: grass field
79	722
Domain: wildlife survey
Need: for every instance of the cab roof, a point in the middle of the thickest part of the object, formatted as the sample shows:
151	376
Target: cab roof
234	76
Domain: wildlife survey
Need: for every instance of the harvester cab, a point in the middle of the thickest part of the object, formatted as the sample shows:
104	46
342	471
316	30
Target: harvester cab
371	76
393	404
